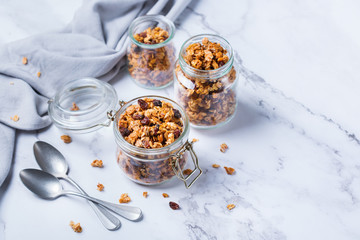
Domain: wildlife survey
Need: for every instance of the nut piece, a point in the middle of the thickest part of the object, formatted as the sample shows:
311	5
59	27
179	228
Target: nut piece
100	187
223	147
187	171
174	205
229	170
24	60
76	227
124	198
165	195
230	206
97	163
74	107
15	118
66	138
38	74
145	194
215	165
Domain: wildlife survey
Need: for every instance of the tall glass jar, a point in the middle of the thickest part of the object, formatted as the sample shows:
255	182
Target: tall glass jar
208	96
151	53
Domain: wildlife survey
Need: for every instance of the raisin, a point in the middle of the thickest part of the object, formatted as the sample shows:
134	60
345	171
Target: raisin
138	116
177	133
124	131
157	102
145	121
174	205
177	113
144	105
137	49
156	129
143	34
221	63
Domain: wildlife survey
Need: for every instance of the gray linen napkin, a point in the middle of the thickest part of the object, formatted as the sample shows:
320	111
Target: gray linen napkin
92	45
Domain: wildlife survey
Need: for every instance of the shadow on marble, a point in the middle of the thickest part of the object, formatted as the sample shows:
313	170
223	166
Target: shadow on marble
245	117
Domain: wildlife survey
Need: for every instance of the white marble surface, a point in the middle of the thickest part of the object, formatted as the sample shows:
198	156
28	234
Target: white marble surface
294	141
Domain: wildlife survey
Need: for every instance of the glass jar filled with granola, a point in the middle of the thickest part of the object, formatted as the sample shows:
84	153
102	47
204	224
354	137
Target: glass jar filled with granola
152	141
206	79
151	53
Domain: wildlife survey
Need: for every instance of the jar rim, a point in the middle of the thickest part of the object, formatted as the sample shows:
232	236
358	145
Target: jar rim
158	18
213	72
152	151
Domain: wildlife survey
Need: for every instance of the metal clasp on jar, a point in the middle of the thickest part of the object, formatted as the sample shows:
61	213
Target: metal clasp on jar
111	114
175	163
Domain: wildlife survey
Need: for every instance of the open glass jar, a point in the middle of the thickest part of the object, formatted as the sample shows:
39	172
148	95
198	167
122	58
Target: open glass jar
208	96
97	103
151	53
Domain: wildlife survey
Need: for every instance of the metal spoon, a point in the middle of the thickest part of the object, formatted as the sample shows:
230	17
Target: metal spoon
48	186
52	161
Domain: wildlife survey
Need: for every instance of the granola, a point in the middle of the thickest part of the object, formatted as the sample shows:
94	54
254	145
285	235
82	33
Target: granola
124	198
207	100
229	170
151	67
230	206
215	165
100	187
97	163
223	147
165	195
187	171
76	227
38	74
74	107
66	138
145	194
24	60
15	118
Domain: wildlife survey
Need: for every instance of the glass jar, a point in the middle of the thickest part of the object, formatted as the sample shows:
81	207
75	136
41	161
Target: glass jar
154	166
151	65
97	103
208	96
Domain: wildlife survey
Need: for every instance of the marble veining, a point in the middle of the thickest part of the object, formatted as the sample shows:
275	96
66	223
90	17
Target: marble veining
295	151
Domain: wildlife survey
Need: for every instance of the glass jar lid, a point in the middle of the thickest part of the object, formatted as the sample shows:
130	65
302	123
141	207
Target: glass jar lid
81	105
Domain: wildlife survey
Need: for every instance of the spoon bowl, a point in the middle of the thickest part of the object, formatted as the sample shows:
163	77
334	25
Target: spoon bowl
41	183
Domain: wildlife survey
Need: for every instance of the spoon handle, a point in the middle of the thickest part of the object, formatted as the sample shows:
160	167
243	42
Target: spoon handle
128	212
109	221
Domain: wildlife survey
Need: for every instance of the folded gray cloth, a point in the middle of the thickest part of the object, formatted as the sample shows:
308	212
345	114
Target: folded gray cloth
92	45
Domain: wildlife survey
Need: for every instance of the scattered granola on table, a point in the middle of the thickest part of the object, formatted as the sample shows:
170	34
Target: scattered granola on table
195	140
207	100
76	227
124	198
66	138
151	67
165	195
97	163
174	205
229	170
100	187
15	118
38	74
74	107
24	60
223	147
215	165
145	194
230	206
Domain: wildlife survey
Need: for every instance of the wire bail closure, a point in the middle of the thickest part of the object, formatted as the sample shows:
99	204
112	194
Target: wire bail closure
176	165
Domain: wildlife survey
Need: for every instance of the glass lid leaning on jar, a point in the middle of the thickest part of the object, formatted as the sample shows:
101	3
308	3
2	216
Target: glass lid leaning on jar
151	132
205	80
151	53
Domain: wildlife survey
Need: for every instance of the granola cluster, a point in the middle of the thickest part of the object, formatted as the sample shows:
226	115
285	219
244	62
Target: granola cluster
76	227
151	67
151	124
207	100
